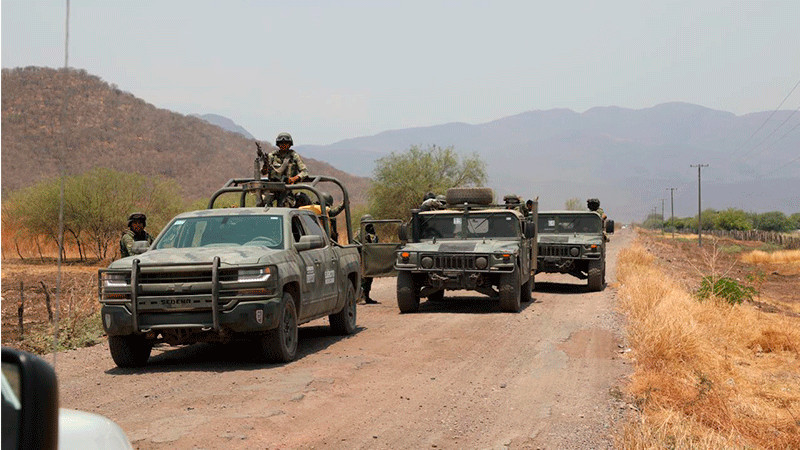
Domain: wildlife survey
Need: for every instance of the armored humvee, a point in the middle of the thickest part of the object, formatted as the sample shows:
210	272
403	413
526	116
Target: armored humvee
471	244
573	242
243	273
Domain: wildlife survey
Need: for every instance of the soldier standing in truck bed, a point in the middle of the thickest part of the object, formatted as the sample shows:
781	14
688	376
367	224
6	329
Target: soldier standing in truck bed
284	164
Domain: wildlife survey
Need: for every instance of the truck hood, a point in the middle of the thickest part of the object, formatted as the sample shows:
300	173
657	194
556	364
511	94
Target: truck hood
570	239
464	246
229	256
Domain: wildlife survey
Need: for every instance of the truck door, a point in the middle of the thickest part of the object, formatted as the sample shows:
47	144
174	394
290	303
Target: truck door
377	258
311	272
330	264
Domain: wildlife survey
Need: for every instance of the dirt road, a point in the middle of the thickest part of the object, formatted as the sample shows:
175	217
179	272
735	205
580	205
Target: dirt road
459	374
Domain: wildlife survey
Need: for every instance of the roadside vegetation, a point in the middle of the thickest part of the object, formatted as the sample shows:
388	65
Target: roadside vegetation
731	219
712	368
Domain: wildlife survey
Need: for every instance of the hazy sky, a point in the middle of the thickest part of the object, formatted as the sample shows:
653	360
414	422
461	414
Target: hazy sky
331	70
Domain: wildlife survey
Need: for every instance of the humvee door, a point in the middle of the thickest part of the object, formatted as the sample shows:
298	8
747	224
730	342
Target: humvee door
377	259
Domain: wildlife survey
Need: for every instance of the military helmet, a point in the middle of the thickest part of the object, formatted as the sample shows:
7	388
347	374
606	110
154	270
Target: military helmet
284	138
511	198
441	199
328	198
428	196
366	217
593	204
137	217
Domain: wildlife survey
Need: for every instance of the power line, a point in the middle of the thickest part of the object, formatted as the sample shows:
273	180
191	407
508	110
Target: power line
765	121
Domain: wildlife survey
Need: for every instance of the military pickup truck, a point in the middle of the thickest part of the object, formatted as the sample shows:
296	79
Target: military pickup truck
573	242
471	244
243	273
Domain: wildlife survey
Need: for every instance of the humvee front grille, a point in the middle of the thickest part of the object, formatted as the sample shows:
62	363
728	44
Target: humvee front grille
454	262
555	250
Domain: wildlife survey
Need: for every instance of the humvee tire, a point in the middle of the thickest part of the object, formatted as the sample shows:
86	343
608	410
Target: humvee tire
509	292
407	293
474	195
525	290
280	345
344	322
130	350
596	270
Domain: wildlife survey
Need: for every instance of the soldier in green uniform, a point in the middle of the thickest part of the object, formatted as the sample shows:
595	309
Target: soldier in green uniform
135	232
370	237
285	164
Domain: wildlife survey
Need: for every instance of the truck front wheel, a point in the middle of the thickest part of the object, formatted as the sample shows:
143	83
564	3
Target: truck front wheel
280	344
510	292
596	275
407	293
129	351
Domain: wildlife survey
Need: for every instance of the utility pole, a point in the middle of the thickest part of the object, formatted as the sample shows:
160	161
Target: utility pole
699	209
662	216
672	209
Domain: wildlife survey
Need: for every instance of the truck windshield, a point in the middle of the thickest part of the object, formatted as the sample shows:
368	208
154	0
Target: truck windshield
251	230
447	226
569	223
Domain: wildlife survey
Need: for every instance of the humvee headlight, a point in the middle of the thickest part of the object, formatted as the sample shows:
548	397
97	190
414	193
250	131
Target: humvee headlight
254	275
115	279
427	262
481	262
574	251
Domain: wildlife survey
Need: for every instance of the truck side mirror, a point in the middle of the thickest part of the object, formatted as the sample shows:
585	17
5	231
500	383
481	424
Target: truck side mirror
402	233
530	230
309	242
610	226
30	401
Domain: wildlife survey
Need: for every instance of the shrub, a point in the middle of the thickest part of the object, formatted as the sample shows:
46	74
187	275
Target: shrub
725	288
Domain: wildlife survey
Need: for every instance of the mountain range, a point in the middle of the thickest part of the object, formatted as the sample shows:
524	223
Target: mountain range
54	119
626	157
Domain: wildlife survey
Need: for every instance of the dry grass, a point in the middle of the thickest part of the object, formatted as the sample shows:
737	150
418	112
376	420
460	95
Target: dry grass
790	259
707	374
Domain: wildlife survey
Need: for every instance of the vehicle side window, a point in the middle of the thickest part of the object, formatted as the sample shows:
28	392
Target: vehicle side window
297	228
311	224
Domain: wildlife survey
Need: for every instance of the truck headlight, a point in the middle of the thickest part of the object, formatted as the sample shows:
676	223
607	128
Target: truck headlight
254	275
426	262
112	280
481	262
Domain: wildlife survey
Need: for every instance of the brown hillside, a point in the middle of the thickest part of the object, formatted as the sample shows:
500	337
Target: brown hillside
110	128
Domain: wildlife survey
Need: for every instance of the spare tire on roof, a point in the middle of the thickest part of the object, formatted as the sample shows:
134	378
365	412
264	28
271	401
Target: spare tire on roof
473	195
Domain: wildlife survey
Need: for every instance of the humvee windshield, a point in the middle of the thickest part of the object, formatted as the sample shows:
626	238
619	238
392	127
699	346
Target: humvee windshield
570	223
260	230
451	226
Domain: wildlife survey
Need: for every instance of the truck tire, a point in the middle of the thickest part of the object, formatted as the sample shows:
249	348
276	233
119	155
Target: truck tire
129	351
595	277
525	291
509	292
407	293
280	344
344	322
474	195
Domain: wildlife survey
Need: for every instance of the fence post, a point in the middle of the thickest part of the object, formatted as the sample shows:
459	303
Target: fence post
21	308
47	302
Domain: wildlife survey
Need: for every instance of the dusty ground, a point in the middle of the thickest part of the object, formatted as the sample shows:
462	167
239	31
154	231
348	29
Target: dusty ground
459	374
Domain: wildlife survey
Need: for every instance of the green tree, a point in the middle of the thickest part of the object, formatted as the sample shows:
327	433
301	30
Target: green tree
795	218
773	221
573	204
733	219
402	179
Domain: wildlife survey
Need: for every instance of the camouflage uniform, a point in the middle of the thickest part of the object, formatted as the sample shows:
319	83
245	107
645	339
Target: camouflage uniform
128	238
369	238
295	166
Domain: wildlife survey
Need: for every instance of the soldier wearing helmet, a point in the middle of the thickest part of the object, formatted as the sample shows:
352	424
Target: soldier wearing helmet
332	212
594	205
135	232
369	237
284	164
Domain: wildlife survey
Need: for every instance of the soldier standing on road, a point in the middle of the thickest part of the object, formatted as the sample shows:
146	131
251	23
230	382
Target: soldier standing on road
370	237
285	164
135	232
